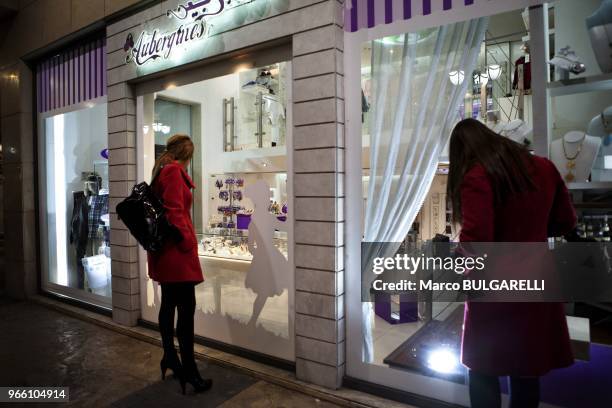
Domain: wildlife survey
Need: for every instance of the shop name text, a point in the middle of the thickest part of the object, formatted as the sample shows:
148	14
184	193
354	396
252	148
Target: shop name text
194	24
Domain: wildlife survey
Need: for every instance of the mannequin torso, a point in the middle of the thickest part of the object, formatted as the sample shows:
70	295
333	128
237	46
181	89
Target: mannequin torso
601	126
574	155
599	26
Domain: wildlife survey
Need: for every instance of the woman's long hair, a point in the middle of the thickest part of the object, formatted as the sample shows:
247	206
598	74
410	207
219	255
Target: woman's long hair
507	163
178	147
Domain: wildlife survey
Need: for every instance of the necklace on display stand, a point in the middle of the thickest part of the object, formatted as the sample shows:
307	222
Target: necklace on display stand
571	161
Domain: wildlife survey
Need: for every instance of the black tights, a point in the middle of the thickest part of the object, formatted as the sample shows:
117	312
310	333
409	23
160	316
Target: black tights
485	391
180	296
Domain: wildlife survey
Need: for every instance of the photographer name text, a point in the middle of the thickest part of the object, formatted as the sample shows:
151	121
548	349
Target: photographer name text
465	285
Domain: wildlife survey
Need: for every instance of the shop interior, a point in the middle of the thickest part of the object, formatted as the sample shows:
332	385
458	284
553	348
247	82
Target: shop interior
424	337
241	206
76	191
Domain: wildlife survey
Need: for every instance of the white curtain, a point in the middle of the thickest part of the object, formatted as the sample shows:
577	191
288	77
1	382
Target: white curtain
414	106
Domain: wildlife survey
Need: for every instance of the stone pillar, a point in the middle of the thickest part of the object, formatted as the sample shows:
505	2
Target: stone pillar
122	167
122	177
16	119
318	143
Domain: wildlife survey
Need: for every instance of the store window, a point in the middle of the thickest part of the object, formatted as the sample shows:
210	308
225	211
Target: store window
242	208
74	184
406	162
414	88
76	169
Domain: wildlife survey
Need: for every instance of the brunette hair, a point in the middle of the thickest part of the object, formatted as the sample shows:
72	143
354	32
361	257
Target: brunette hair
507	163
178	147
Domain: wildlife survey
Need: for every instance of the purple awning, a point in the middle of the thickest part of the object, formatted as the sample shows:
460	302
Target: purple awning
361	14
72	76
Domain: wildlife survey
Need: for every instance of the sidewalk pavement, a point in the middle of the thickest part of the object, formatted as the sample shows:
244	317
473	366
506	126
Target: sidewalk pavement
42	347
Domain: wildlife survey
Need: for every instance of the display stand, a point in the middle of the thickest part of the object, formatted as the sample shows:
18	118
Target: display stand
601	126
407	308
574	155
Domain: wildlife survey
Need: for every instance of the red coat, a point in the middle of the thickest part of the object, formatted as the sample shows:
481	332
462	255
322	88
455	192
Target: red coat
526	339
176	262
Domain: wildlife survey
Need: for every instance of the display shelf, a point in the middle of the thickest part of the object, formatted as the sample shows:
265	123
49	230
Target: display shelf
234	247
233	233
236	233
255	89
606	206
602	82
596	185
223	258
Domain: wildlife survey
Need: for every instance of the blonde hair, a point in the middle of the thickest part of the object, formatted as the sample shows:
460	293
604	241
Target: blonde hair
179	147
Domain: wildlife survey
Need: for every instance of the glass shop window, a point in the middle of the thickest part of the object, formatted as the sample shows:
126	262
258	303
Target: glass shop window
403	333
241	209
77	205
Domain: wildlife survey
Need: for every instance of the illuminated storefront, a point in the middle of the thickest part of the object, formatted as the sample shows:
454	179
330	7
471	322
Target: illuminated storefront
293	107
73	157
257	85
413	70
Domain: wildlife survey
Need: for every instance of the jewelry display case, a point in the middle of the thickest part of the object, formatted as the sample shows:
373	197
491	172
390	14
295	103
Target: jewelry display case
233	244
230	210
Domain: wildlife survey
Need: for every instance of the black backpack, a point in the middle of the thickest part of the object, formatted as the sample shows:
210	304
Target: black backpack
145	216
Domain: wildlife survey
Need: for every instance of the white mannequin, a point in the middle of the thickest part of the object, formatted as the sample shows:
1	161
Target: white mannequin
599	26
583	161
598	128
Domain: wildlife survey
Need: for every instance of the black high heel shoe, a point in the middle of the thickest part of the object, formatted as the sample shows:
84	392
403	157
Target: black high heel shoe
172	363
198	383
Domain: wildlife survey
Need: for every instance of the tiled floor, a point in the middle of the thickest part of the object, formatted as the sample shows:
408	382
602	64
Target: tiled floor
42	347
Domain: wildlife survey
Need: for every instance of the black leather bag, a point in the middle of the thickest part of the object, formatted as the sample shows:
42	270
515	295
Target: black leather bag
145	216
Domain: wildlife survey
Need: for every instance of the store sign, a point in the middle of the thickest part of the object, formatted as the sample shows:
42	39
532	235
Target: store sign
193	24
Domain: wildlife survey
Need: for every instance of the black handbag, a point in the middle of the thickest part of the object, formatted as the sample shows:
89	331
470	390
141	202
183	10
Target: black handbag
145	216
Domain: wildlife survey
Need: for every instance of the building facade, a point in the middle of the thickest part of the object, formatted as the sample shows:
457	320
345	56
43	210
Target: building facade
306	147
307	35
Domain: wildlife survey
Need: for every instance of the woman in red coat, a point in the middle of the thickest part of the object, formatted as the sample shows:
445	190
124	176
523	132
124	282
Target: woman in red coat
176	266
499	192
